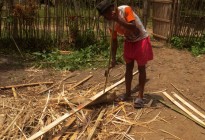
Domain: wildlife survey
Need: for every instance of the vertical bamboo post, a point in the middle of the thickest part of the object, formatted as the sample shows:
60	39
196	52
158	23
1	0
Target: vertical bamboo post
145	12
49	19
1	6
173	18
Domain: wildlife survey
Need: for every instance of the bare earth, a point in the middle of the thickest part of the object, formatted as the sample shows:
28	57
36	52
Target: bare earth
170	66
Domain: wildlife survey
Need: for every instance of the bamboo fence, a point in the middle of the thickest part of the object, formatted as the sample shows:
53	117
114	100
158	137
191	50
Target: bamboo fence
161	17
188	19
184	18
58	21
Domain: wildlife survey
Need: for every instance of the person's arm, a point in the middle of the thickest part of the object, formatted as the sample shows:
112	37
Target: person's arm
130	20
128	25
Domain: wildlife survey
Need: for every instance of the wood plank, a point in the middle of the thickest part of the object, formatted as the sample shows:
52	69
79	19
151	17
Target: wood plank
160	36
25	85
162	1
161	19
66	115
91	134
184	109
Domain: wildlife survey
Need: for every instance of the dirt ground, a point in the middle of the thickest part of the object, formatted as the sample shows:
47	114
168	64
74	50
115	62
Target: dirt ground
170	66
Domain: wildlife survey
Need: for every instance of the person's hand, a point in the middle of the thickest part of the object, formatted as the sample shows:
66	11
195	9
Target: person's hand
115	15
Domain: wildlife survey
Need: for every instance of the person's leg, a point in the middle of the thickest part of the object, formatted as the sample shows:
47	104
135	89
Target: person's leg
142	80
128	77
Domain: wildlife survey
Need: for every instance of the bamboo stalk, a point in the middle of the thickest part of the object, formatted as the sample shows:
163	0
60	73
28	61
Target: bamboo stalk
17	46
25	85
130	127
184	109
74	136
180	112
69	76
17	116
170	134
189	105
14	93
44	110
187	98
81	106
80	82
90	136
67	125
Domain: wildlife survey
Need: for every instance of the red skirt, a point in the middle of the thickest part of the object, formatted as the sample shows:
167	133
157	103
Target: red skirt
141	51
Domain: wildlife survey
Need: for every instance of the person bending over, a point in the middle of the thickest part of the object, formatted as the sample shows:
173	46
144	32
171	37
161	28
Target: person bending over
137	46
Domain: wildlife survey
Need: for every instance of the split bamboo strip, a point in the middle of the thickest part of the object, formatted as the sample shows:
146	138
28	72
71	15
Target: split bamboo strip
90	136
25	85
74	136
14	120
187	98
42	115
14	93
170	134
67	125
180	112
189	105
66	115
82	81
95	113
69	76
129	128
70	104
20	130
17	47
184	109
162	1
128	122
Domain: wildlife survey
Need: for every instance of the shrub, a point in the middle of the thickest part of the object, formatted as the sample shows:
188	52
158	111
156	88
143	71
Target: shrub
195	45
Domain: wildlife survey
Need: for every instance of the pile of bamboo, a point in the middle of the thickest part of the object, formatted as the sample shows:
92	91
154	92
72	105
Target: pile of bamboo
67	112
62	110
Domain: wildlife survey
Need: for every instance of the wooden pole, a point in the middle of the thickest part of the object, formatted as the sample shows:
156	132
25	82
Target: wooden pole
145	12
25	85
81	106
